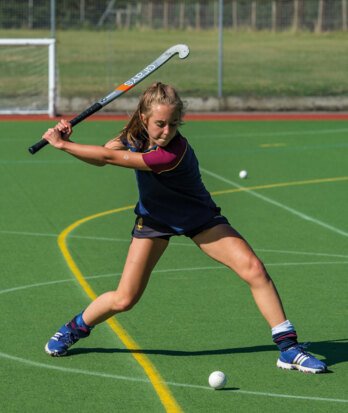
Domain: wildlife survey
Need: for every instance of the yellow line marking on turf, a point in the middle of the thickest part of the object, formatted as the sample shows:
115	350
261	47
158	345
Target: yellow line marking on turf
282	185
155	378
161	388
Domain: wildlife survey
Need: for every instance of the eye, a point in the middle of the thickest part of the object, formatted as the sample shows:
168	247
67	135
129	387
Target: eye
162	124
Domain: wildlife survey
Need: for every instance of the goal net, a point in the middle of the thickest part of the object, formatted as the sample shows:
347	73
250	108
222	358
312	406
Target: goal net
27	76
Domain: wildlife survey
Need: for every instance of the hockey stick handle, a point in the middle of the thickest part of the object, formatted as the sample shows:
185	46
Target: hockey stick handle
86	113
79	118
37	146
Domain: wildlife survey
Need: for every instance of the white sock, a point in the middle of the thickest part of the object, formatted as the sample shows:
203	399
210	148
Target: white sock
283	328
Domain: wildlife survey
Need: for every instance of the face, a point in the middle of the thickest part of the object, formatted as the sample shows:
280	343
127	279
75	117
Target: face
161	124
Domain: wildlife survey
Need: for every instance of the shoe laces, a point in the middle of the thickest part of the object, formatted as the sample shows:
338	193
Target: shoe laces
68	338
303	347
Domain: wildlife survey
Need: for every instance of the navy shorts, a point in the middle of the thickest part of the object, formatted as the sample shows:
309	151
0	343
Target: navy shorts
147	228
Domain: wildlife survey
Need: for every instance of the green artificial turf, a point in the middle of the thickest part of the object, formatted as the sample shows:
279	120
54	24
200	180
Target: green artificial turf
195	316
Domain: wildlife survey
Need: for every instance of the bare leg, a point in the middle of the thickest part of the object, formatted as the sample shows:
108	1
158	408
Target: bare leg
226	246
142	257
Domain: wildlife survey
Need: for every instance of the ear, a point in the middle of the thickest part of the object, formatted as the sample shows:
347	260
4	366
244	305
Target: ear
143	119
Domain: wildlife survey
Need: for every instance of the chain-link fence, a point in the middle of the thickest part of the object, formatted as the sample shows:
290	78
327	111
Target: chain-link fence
320	15
279	49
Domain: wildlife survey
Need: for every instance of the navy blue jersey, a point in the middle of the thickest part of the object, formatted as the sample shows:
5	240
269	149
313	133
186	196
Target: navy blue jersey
173	193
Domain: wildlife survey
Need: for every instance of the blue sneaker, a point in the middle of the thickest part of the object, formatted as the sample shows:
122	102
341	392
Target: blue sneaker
65	337
296	358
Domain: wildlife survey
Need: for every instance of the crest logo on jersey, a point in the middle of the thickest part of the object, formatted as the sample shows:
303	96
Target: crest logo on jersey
139	223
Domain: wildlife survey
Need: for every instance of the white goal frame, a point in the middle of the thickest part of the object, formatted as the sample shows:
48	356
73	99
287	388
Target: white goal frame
52	94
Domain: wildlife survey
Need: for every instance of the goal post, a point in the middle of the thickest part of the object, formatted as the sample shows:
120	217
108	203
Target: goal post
28	76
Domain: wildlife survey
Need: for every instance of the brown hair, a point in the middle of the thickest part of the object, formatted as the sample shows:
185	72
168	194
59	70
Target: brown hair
134	133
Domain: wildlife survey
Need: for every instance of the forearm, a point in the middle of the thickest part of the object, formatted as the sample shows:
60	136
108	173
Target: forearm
100	155
92	154
59	136
90	161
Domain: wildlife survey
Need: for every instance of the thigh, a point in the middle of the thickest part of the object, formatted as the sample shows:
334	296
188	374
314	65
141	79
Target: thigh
143	255
225	245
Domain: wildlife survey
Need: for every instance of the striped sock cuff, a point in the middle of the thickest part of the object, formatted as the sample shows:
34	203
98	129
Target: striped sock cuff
284	335
81	324
285	340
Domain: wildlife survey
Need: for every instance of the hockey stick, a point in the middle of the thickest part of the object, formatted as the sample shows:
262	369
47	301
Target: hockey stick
181	49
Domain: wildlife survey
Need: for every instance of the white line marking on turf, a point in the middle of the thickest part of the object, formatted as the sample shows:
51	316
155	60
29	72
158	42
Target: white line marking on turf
289	264
70	370
276	203
184	244
33	162
289	396
266	134
221	267
319	254
140	380
25	233
28	286
40	234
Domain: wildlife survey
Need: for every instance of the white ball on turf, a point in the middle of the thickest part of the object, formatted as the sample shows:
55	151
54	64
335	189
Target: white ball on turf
217	380
243	174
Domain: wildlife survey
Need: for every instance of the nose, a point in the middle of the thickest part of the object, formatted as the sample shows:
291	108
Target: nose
166	130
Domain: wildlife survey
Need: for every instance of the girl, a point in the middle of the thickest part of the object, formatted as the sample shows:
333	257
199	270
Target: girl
172	201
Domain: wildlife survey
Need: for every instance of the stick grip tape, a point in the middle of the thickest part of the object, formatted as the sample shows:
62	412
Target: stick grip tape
85	114
37	146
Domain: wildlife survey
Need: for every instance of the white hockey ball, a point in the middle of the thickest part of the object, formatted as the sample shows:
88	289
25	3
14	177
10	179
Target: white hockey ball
217	380
243	174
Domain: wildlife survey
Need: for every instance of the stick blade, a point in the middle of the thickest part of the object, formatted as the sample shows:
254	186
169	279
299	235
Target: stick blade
182	49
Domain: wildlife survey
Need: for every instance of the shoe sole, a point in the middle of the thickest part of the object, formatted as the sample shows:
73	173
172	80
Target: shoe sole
288	366
54	353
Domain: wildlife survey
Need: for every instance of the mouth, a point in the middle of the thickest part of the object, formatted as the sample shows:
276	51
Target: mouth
163	141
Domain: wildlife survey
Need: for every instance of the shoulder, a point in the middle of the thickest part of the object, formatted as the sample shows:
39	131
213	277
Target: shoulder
115	143
165	159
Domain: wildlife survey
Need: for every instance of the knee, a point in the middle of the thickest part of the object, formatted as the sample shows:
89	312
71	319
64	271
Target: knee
254	273
123	303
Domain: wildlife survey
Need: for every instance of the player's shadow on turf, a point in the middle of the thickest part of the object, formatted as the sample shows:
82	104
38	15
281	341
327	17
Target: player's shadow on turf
334	352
